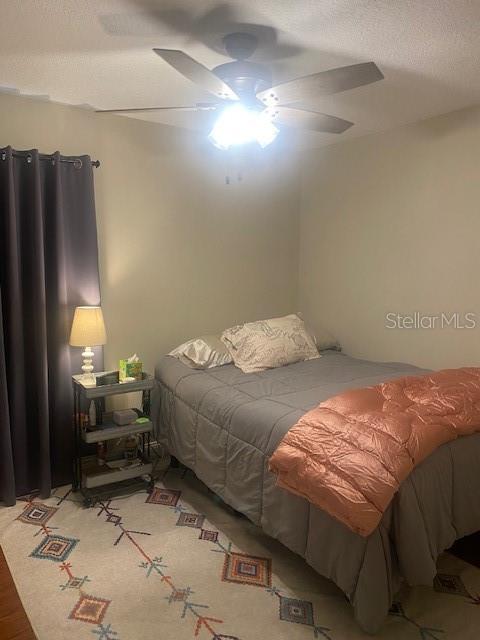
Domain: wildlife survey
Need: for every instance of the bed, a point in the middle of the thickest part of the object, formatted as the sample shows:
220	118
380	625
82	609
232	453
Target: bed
224	425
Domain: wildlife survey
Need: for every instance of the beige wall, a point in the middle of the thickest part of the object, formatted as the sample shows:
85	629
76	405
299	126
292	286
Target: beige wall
181	252
391	223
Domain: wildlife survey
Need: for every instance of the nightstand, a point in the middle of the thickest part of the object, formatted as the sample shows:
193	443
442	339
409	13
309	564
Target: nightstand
100	481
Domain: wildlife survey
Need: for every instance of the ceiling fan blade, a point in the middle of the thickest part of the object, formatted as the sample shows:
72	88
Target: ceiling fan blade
197	73
321	84
201	106
302	119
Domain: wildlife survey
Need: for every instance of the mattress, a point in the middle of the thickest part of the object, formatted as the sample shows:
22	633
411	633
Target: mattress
224	425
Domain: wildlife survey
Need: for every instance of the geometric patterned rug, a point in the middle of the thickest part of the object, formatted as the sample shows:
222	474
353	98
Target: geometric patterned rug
178	565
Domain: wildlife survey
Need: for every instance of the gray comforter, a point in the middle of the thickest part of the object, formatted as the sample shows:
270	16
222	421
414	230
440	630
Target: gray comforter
224	424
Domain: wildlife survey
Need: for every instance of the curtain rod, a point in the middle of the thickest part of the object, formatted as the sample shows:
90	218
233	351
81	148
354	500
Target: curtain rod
77	162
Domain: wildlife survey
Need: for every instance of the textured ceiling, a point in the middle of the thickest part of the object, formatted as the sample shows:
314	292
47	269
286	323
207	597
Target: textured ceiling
99	52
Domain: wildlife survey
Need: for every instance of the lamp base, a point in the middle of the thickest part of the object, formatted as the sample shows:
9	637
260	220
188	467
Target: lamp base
87	367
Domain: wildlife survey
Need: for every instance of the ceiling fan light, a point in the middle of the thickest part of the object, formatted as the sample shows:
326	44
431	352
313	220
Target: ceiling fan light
237	125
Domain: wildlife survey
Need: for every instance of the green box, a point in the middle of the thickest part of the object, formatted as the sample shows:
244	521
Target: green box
130	370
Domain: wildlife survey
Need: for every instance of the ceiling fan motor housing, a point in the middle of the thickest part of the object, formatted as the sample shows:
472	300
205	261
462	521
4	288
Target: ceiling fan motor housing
240	46
246	78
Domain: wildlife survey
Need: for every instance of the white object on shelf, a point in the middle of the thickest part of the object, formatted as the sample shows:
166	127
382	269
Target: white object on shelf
98	476
122	417
92	414
121	463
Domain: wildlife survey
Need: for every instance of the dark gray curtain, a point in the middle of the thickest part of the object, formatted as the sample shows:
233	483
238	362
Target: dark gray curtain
48	266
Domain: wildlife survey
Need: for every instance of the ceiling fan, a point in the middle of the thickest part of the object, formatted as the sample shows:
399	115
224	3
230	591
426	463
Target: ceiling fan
249	106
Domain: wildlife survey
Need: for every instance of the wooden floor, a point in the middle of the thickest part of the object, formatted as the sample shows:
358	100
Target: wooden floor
14	624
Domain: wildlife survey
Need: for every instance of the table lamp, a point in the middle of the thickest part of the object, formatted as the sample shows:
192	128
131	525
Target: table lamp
88	330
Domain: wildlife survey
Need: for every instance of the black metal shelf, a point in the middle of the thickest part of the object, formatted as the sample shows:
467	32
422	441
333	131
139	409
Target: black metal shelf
85	470
92	392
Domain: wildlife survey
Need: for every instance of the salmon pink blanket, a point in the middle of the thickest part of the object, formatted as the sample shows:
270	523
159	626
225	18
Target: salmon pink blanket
349	455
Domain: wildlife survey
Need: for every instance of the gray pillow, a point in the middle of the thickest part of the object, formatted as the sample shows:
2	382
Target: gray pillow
203	353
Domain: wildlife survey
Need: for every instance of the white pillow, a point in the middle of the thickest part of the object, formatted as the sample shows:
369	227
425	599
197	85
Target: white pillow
203	353
265	344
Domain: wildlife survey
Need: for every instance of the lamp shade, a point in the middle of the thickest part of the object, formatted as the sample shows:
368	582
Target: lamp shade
88	328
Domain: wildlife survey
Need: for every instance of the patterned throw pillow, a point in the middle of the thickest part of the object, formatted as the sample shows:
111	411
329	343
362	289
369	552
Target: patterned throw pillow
266	344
